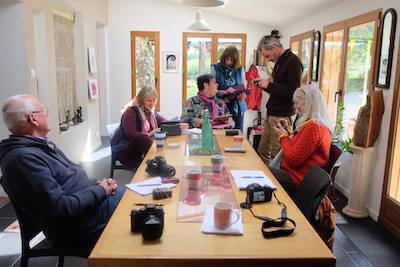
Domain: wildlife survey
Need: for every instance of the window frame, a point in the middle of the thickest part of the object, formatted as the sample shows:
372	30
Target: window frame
299	38
214	51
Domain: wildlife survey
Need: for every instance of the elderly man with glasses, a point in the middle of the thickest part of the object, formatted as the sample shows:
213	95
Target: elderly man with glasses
54	193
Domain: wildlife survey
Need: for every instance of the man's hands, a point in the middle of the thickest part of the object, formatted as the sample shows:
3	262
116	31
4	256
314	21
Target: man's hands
262	83
110	185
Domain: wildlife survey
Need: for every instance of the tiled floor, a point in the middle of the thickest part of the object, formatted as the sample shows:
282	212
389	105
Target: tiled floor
358	242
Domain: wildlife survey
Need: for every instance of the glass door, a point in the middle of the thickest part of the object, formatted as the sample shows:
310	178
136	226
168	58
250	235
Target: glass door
145	70
198	62
358	75
331	70
200	50
348	59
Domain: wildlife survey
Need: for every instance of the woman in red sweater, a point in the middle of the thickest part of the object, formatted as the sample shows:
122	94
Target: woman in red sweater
310	141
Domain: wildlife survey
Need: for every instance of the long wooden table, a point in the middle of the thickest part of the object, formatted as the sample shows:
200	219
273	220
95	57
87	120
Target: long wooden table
183	244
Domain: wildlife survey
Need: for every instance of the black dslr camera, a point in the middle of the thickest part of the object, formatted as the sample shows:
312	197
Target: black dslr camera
149	220
256	193
159	167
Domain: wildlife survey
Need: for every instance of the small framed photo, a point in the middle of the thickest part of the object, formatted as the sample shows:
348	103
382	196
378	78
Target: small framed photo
93	89
170	61
92	60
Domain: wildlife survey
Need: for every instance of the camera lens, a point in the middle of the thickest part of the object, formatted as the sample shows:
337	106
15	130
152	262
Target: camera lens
152	228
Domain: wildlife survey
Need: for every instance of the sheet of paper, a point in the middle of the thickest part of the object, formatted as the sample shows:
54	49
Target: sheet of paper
195	130
243	178
146	187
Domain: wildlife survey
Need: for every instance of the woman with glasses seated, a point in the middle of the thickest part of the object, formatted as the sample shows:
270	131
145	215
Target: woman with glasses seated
139	123
206	99
310	141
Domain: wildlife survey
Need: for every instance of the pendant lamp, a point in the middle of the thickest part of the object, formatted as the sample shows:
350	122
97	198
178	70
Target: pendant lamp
198	24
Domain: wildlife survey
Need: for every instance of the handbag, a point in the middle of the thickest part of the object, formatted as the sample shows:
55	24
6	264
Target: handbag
171	127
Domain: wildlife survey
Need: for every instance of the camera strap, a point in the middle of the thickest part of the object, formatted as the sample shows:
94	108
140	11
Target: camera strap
278	222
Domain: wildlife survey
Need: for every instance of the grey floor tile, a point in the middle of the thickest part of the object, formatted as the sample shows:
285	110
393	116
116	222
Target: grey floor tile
75	262
7	211
6	221
39	262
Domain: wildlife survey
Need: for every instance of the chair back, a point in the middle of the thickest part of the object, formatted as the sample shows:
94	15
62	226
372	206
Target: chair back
112	128
27	229
334	154
314	186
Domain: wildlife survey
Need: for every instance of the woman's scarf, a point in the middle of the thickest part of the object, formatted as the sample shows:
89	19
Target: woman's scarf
145	122
208	100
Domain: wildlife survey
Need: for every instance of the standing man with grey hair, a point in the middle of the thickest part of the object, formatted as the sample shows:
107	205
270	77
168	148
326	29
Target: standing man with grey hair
54	193
286	79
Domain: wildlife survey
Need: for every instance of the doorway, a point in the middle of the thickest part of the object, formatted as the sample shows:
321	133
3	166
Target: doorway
145	56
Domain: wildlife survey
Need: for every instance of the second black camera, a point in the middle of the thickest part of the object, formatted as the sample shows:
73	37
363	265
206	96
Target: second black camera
159	167
149	220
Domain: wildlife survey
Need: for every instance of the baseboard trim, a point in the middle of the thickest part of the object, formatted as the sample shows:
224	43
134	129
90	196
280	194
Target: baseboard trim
373	214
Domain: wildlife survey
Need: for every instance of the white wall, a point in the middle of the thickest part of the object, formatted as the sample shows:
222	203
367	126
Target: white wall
340	12
18	56
13	54
170	20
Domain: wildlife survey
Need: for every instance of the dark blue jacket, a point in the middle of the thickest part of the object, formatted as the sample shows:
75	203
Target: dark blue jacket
223	76
54	193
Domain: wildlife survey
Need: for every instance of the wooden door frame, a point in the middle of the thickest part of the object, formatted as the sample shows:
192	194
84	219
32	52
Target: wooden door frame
156	36
389	207
299	38
345	25
214	51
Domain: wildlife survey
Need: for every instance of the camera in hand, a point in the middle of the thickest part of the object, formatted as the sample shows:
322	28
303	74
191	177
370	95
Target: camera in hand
149	220
159	167
257	83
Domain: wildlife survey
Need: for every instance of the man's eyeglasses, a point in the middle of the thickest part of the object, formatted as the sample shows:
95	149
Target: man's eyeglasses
46	110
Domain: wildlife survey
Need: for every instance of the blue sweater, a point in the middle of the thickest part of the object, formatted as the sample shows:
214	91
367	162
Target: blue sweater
54	193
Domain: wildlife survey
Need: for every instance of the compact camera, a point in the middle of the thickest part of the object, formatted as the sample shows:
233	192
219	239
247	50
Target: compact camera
149	220
257	193
159	167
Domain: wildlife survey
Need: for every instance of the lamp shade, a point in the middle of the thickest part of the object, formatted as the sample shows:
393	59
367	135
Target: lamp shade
204	3
198	24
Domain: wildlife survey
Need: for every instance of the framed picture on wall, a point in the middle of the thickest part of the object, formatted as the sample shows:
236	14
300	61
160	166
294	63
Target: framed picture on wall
93	89
170	61
92	60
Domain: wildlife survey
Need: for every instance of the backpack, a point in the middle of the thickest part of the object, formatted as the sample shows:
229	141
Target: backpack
325	221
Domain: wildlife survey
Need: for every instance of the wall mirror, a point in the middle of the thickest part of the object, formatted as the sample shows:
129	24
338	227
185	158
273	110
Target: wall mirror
387	35
316	50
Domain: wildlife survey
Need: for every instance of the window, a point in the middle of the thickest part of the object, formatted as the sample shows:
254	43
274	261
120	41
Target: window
302	46
348	61
200	50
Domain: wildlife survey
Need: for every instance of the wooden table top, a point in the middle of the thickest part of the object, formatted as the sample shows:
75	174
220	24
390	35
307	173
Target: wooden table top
183	244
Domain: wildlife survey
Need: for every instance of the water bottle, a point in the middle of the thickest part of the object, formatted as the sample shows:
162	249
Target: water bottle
207	133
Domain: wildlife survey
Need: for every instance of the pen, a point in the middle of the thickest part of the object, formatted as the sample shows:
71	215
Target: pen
148	184
143	204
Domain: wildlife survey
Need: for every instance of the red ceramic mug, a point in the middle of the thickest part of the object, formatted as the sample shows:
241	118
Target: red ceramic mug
223	215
